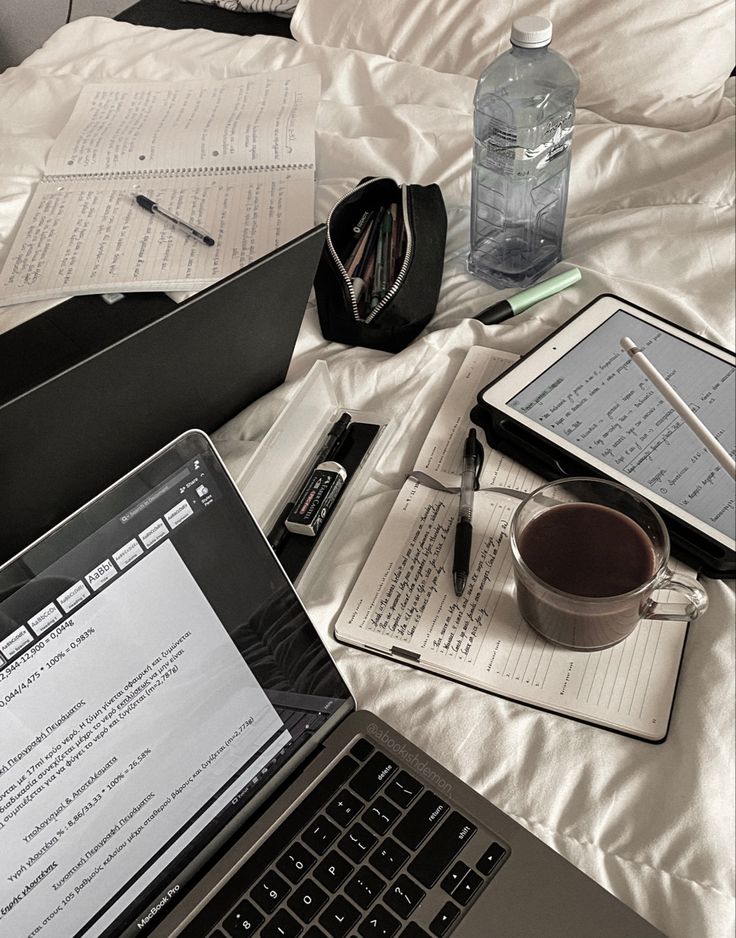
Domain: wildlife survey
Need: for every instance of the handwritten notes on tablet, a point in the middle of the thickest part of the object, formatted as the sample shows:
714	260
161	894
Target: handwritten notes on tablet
403	603
596	398
234	157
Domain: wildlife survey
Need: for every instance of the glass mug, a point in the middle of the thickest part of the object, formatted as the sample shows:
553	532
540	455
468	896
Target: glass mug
588	555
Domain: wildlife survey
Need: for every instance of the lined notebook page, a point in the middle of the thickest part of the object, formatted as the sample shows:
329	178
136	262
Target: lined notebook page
244	174
403	602
91	237
253	121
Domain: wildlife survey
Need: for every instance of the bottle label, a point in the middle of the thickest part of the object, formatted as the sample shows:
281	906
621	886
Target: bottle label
502	149
558	135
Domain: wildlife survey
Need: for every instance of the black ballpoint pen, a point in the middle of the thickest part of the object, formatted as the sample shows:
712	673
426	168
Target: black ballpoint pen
472	465
331	444
155	209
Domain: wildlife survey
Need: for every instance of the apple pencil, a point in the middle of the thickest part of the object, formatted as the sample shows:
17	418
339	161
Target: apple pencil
673	398
507	308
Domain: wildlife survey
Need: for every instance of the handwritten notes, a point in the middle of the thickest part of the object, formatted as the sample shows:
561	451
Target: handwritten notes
403	602
234	157
415	604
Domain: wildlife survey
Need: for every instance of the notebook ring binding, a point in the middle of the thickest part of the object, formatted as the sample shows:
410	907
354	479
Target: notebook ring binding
182	172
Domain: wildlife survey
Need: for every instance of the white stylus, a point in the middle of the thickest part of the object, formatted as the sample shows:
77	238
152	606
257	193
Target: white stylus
673	398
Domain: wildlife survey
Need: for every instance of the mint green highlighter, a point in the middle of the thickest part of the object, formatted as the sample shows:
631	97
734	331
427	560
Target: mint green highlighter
509	307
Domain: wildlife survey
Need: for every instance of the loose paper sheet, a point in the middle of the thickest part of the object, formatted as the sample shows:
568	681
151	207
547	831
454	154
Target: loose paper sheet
234	158
404	602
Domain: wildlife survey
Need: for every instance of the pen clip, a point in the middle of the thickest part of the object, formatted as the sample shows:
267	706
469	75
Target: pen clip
479	456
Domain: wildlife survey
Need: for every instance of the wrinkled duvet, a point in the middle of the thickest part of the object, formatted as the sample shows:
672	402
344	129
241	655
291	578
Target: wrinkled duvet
651	218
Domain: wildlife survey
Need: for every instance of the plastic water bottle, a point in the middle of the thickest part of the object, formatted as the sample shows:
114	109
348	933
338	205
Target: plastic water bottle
523	124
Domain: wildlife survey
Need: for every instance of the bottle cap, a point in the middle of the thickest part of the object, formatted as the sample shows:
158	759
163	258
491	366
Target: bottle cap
531	32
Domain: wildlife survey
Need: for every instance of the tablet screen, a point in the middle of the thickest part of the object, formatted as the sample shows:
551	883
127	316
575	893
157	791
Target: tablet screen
596	398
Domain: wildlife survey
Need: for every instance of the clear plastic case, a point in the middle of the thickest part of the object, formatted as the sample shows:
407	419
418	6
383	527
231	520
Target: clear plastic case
280	465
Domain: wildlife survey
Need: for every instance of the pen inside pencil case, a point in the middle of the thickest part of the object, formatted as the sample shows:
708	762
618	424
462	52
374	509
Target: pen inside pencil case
384	263
372	242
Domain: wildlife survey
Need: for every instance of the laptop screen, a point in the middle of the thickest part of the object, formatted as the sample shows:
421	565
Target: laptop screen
157	670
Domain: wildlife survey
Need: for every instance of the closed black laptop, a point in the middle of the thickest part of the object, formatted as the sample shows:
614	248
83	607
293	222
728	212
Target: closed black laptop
88	390
180	755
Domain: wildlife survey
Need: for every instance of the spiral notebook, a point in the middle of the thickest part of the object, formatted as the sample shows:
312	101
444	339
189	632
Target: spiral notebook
234	157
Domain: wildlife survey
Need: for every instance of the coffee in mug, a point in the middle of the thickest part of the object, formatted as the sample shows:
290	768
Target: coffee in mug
588	555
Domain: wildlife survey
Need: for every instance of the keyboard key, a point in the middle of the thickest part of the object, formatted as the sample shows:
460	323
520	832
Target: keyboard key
287	831
380	815
333	871
216	934
379	924
374	774
403	896
362	749
357	842
441	849
339	917
490	859
282	925
290	718
420	820
442	922
245	919
467	888
295	863
319	834
345	808
412	930
454	876
315	932
307	900
388	858
365	887
270	891
404	789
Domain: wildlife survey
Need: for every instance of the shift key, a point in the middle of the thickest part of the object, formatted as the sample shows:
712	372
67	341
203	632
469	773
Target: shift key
423	818
441	849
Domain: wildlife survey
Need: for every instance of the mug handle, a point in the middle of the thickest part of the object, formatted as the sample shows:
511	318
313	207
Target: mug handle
695	596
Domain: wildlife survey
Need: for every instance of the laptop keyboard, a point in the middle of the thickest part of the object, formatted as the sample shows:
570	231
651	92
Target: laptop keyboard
373	842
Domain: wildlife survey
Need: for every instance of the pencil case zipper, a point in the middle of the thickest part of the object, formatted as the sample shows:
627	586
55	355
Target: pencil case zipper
394	288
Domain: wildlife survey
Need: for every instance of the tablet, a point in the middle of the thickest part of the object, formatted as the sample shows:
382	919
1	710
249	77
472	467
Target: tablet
578	405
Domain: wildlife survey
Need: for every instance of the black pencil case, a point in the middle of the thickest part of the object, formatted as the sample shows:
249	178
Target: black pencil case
409	300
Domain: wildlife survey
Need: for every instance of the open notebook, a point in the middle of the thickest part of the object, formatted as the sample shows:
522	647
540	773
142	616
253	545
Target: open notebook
403	604
233	157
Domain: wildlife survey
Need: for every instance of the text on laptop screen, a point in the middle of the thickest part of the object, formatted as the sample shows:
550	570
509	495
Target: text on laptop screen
156	669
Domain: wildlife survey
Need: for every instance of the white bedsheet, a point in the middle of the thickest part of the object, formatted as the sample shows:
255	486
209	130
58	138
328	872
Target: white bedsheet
651	218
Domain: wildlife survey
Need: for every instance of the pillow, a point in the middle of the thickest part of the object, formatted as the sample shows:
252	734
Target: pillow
277	7
655	63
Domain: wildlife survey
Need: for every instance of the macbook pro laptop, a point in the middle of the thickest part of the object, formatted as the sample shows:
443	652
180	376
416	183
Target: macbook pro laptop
180	756
128	378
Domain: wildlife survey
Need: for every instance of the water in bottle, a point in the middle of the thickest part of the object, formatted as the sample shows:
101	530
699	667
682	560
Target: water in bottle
523	123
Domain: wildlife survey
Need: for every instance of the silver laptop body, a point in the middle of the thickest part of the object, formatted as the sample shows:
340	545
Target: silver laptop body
180	756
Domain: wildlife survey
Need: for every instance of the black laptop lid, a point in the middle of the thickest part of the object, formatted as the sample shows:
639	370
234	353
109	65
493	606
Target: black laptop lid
158	677
87	390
